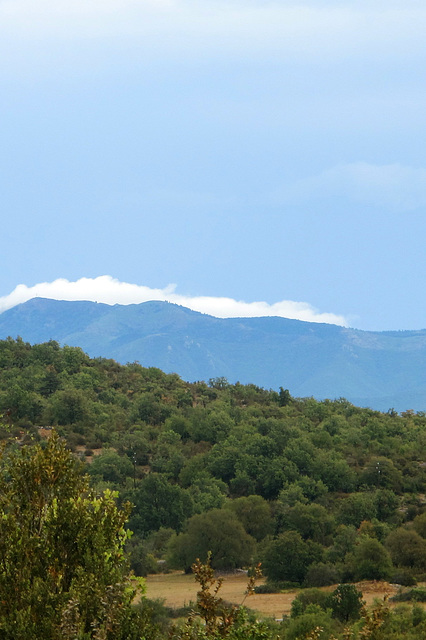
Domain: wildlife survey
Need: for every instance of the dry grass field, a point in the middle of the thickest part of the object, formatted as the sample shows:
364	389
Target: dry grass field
178	589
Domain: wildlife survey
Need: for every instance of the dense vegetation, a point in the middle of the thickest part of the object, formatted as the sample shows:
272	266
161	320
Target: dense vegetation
319	492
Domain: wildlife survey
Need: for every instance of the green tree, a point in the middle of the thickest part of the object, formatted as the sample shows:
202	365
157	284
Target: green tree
356	508
310	520
419	524
255	515
63	573
381	472
68	407
284	397
50	381
371	561
217	531
343	543
346	602
289	556
149	409
157	503
407	548
207	493
111	467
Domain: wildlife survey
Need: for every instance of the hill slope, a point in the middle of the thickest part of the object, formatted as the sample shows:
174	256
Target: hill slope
377	369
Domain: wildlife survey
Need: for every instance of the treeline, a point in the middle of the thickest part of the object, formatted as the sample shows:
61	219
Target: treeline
319	492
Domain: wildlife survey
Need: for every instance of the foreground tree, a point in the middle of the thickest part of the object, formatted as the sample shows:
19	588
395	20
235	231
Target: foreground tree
63	573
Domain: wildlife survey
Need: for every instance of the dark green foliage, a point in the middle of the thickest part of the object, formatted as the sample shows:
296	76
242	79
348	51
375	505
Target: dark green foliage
148	409
343	543
255	515
322	574
387	503
217	531
380	472
111	467
284	397
407	548
268	587
312	521
308	597
371	561
404	578
346	602
306	624
357	507
289	556
419	524
141	561
157	503
413	595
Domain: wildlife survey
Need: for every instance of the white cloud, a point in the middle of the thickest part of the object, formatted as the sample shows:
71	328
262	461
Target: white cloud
392	187
111	291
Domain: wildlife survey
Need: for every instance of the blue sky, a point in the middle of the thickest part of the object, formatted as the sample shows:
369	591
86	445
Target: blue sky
251	151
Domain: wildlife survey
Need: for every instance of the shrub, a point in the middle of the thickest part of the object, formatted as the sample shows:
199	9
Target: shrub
268	587
322	574
404	578
413	595
304	625
309	597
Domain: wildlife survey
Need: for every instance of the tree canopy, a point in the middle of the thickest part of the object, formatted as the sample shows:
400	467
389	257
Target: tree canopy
63	573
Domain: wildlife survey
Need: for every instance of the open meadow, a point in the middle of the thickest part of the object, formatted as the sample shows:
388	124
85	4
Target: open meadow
178	589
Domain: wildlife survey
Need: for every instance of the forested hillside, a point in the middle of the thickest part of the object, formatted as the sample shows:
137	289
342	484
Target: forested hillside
371	369
319	492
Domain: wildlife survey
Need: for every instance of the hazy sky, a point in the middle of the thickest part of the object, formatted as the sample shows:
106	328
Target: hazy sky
258	151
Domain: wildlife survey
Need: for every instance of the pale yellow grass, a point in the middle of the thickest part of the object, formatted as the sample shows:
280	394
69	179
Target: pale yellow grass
178	589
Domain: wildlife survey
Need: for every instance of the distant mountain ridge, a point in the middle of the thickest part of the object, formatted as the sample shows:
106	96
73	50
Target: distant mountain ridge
376	369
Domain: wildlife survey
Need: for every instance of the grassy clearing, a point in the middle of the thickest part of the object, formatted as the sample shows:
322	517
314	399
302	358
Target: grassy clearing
178	589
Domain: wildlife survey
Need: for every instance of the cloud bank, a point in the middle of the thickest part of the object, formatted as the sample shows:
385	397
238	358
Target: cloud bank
111	291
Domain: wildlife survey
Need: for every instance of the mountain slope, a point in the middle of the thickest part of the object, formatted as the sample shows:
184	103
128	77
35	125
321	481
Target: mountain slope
377	369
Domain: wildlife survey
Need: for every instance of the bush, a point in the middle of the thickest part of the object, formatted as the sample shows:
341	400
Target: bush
141	562
305	624
309	597
322	574
268	587
413	595
404	578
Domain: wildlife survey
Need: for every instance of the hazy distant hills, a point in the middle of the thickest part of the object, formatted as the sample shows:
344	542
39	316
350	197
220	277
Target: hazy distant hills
376	369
